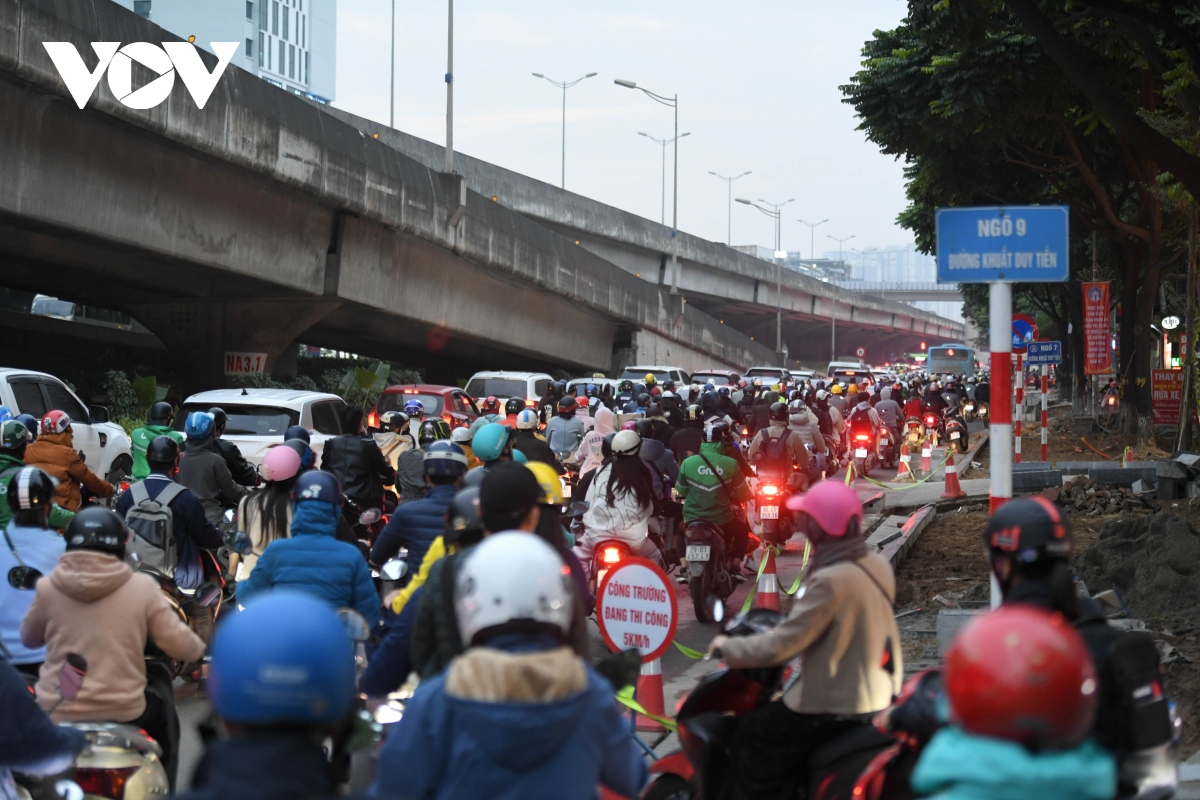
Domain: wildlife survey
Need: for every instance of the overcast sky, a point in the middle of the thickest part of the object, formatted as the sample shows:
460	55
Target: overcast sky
757	84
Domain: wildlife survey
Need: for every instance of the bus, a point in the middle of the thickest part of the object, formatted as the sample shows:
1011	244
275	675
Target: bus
947	359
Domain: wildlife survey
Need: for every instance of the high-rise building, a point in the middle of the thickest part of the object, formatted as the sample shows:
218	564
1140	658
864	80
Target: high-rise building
291	43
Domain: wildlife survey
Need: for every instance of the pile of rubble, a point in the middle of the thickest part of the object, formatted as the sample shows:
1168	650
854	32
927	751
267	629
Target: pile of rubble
1086	496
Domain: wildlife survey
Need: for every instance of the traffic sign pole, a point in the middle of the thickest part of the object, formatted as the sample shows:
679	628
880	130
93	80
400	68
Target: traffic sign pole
1000	320
1045	408
1018	410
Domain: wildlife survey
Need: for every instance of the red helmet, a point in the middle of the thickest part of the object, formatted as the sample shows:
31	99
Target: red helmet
491	405
1022	674
55	422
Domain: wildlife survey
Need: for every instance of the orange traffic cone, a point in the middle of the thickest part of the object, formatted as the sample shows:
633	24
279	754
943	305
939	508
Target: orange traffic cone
905	470
768	584
953	489
650	696
926	457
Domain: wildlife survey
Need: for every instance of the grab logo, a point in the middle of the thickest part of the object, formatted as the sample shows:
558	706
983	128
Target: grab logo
164	61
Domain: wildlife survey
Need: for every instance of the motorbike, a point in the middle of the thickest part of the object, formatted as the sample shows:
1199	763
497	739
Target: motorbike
769	498
569	479
933	428
968	410
981	412
1110	410
607	555
914	432
888	448
956	432
861	764
208	595
864	452
367	524
710	574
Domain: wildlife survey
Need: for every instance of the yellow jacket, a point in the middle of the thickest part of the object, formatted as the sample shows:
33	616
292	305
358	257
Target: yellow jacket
436	552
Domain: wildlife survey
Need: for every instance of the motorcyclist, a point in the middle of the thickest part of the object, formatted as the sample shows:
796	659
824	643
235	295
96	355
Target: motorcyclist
638	404
282	683
861	411
462	437
415	410
95	606
243	471
415	525
829	419
672	410
512	407
746	405
713	487
587	455
565	431
29	742
983	391
725	404
312	559
624	393
659	460
550	530
158	423
54	453
843	629
410	467
298	438
528	441
970	388
620	501
686	441
14	439
777	448
836	400
491	692
267	515
913	407
933	400
395	439
204	472
890	413
661	427
357	463
760	415
548	403
31	549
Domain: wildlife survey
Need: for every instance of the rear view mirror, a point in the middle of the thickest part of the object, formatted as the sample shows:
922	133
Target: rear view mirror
208	595
395	569
356	626
70	679
98	414
68	790
578	508
239	542
230	515
370	516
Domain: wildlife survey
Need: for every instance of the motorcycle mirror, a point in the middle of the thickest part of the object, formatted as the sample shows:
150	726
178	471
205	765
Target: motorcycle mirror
370	516
207	595
578	508
230	516
395	569
356	625
70	679
239	542
133	560
68	790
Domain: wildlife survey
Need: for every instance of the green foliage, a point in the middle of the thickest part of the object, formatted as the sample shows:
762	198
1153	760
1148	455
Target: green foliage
130	424
148	391
123	399
362	386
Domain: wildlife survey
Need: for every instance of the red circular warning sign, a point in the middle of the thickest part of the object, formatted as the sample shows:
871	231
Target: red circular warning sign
636	608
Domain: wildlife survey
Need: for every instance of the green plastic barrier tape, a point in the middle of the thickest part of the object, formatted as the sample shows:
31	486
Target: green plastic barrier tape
803	569
754	589
687	651
889	487
625	698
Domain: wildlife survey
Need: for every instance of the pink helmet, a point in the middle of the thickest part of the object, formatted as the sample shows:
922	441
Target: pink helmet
831	504
279	464
628	425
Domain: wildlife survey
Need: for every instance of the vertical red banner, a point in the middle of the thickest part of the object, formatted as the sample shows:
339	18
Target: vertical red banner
1097	333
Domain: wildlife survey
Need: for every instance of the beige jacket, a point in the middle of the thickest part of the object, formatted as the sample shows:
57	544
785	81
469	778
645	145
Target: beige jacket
840	628
94	605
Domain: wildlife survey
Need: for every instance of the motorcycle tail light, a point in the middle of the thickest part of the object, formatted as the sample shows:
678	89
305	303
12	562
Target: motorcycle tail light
931	420
769	489
530	403
610	555
1112	401
124	486
373	420
104	782
862	437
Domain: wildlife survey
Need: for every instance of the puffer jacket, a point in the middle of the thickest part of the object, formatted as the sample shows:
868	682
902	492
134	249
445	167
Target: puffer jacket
141	439
414	525
243	472
686	442
588	455
663	468
205	473
805	428
410	475
268	766
59	517
535	448
54	454
360	468
564	434
313	561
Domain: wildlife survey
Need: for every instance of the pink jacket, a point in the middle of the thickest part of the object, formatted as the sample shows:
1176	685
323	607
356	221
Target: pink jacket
94	605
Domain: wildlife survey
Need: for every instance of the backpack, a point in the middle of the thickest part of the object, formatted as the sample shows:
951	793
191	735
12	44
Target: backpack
860	418
153	526
1132	711
824	421
775	456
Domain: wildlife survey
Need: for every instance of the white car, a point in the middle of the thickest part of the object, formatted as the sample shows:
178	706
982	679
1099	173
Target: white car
258	418
527	386
104	445
661	375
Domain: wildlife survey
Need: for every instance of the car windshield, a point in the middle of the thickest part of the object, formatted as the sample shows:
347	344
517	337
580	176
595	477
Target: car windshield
395	401
247	420
764	373
497	387
52	307
639	375
852	376
718	378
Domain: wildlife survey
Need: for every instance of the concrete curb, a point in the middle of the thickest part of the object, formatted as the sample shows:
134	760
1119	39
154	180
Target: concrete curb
896	547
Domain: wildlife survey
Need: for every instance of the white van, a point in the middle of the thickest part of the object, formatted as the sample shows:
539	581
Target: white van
851	372
527	386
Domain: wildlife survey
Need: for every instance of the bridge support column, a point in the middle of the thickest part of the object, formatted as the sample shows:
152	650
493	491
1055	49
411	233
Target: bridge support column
200	334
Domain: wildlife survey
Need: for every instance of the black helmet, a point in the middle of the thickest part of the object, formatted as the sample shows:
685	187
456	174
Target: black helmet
432	430
297	432
716	432
566	404
693	413
162	450
30	490
560	387
1030	530
639	389
643	399
770	396
394	421
97	528
668	385
307	456
219	416
463	525
625	386
654	410
644	428
515	405
606	444
162	412
779	412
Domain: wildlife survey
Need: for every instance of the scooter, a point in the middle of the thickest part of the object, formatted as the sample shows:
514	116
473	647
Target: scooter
914	432
770	496
710	575
933	428
956	432
864	450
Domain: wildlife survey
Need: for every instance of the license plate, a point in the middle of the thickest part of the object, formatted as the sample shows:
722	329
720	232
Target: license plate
698	552
954	435
860	452
566	489
768	512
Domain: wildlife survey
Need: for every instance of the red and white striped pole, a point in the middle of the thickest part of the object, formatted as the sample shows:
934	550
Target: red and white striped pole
1018	410
1000	320
1045	406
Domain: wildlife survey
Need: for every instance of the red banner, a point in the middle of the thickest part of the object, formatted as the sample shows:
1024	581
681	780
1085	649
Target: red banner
1166	391
1097	336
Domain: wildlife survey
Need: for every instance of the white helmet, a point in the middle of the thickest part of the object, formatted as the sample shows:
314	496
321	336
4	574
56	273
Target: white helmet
512	577
527	420
626	443
822	394
461	434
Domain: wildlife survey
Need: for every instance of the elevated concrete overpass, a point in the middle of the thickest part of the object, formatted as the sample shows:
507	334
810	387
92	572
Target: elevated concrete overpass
262	220
900	290
731	286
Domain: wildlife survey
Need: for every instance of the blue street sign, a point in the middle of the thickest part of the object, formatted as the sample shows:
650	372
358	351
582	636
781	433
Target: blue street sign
1044	353
1022	335
1002	244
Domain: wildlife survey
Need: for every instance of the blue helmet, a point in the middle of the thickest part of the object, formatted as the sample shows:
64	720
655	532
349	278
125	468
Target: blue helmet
489	441
297	432
5	414
199	425
31	424
414	406
723	391
445	458
285	658
317	485
519	457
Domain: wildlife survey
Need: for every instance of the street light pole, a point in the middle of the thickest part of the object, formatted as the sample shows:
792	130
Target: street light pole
393	95
729	201
564	85
672	102
775	213
840	243
833	309
450	88
812	233
664	143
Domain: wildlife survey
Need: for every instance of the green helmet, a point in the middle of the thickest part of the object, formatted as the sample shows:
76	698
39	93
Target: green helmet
13	435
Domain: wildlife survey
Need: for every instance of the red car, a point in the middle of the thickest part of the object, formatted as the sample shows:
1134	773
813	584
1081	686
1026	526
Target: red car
448	402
